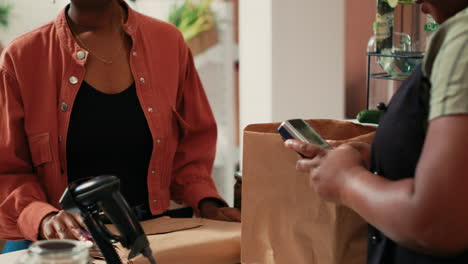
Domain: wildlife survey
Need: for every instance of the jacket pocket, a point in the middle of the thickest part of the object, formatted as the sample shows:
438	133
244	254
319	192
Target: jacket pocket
184	127
41	151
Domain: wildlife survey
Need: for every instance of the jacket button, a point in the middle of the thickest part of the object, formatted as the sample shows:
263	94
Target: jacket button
142	79
374	240
155	201
153	172
158	141
80	55
73	80
135	53
64	107
150	109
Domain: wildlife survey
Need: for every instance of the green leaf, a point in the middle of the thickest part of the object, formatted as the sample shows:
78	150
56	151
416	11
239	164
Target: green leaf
192	19
4	14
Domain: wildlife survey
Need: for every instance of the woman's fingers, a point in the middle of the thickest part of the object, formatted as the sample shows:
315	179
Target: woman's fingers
306	165
308	150
62	226
48	232
232	214
335	143
61	230
74	227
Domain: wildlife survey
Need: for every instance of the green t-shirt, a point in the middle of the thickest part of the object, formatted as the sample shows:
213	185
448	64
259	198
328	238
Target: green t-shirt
446	66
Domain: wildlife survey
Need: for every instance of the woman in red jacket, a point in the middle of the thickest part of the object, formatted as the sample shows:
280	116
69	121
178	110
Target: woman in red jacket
102	89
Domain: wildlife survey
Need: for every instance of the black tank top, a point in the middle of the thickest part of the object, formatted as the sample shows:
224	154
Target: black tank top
395	154
109	135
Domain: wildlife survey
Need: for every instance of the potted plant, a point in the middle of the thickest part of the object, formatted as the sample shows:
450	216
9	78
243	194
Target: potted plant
4	15
197	23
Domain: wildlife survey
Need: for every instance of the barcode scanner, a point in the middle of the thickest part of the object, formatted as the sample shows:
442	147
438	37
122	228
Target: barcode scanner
91	197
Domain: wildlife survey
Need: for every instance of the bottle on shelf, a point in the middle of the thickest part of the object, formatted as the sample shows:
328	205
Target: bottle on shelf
399	52
394	49
377	90
384	24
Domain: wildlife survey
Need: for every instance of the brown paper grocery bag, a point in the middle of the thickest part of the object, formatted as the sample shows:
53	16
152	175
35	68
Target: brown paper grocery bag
283	219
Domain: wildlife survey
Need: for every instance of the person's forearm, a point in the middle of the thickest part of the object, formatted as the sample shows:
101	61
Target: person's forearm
387	205
394	208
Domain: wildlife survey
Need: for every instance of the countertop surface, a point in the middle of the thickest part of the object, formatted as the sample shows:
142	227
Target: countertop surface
212	242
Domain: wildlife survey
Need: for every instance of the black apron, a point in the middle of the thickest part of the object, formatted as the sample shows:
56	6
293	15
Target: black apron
395	154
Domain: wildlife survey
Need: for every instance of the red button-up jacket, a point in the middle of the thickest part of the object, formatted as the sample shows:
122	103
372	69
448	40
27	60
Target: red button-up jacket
40	74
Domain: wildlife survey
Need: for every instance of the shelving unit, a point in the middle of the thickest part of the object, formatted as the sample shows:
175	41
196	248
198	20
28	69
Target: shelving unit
379	74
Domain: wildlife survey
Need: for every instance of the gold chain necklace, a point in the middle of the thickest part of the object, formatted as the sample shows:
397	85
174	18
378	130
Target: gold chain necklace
83	44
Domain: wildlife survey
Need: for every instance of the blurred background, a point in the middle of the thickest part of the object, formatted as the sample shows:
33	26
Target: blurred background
260	60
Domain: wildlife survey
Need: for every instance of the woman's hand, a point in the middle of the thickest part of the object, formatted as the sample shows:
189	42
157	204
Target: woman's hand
62	225
210	209
330	170
363	147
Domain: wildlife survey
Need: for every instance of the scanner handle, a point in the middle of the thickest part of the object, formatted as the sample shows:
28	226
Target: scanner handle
104	244
119	213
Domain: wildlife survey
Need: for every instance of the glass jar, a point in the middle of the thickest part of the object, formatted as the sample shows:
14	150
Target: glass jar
56	252
400	60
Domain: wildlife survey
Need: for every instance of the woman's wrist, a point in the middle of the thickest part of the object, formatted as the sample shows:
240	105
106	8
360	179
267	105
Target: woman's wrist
44	221
353	178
